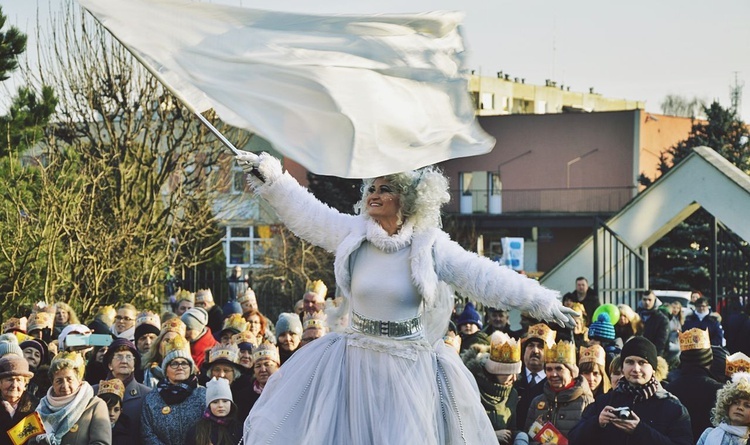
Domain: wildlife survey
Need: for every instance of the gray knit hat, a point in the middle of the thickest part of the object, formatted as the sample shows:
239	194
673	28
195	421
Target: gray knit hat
195	318
218	389
288	322
9	345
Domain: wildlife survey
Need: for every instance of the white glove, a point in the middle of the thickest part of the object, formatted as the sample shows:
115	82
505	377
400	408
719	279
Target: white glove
565	316
262	168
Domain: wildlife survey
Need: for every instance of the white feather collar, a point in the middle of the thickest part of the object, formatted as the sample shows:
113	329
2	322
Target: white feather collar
389	243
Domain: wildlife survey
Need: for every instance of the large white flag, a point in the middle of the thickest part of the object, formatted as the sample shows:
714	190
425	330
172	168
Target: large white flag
349	96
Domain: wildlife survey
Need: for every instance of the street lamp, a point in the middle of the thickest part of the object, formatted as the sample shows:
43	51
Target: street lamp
573	161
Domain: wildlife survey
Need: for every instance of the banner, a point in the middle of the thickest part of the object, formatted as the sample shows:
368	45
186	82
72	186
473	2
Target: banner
27	428
348	96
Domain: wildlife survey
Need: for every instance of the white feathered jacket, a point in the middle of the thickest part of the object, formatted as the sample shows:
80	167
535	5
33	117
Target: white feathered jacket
438	264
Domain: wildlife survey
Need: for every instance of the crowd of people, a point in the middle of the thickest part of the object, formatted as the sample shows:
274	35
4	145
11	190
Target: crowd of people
192	375
187	376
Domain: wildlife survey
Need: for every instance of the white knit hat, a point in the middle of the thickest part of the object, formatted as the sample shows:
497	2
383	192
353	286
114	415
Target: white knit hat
218	389
9	345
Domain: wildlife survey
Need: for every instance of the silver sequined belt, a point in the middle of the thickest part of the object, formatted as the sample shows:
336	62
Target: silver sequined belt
404	328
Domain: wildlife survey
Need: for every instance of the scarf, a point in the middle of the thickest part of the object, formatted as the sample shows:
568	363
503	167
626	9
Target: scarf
716	435
176	393
59	414
127	333
257	387
125	382
207	414
640	392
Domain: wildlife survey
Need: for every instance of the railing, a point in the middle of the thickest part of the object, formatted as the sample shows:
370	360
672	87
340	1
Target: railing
587	200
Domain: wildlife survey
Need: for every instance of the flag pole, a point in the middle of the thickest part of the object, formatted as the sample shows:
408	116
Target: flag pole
175	93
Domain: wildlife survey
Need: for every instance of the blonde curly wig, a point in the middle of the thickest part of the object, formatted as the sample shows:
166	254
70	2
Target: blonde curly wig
736	389
422	193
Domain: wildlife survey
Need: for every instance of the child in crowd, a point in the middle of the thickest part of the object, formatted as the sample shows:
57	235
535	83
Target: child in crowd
731	414
112	392
615	370
219	425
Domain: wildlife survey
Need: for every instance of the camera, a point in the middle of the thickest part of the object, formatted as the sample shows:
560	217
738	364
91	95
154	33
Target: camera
622	412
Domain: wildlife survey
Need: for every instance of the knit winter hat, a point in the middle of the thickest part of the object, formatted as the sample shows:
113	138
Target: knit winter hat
147	323
218	389
602	328
469	315
195	318
695	347
288	322
640	347
14	366
118	344
9	345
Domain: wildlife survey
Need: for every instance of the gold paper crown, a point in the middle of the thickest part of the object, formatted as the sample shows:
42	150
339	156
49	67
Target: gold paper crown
592	354
184	294
228	352
73	359
202	294
266	350
737	362
563	352
148	318
694	339
174	325
319	288
177	343
236	323
247	296
40	320
245	337
314	320
114	386
15	324
106	313
543	333
504	349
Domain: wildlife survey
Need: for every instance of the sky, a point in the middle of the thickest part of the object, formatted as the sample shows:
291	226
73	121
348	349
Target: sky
636	50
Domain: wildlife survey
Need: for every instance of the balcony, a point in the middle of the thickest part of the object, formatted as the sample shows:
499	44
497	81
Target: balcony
565	200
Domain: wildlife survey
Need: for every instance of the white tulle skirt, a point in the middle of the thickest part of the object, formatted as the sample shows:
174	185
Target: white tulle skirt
358	389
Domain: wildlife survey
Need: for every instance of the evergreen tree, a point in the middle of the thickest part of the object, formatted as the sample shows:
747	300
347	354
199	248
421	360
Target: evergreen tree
12	43
680	259
339	193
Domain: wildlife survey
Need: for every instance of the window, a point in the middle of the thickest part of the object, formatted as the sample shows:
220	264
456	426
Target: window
488	101
247	246
238	180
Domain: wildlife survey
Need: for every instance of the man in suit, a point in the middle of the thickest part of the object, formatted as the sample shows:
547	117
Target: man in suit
530	382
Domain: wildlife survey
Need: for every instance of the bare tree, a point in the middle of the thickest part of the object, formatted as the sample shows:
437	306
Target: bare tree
675	105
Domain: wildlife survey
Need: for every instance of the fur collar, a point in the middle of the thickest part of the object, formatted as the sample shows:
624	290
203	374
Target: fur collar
388	243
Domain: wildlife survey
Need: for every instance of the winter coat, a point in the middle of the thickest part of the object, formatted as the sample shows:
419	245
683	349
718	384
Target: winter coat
199	347
437	262
499	401
477	338
26	406
563	409
235	429
656	329
164	424
132	406
696	388
215	319
526	394
664	421
590	302
92	428
712	322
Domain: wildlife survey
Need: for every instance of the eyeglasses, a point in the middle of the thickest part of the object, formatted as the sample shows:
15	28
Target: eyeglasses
177	365
124	357
121	318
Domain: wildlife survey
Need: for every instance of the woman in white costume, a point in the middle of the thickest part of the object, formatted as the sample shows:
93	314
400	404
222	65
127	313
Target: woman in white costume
388	378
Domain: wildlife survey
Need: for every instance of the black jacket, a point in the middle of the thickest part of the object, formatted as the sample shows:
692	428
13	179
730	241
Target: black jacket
26	406
696	388
525	395
656	329
664	421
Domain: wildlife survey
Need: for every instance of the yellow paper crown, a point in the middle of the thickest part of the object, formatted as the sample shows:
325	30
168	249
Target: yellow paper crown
183	294
177	343
235	322
592	354
114	386
504	349
203	294
174	325
315	320
266	350
15	324
106	313
228	352
245	337
737	362
40	320
543	333
319	288
249	295
563	352
694	339
72	359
